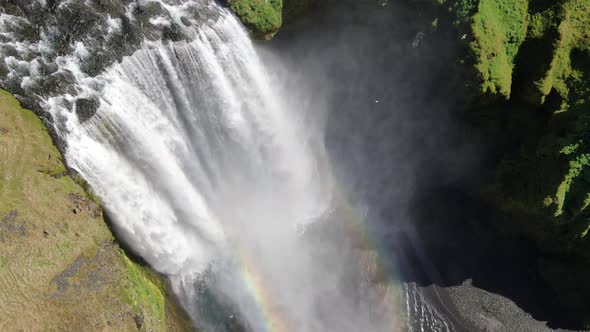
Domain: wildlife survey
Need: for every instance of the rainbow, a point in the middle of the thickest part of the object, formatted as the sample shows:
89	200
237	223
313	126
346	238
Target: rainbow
364	237
271	317
254	284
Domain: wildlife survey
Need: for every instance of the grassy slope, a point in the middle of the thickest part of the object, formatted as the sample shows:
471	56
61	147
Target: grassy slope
60	268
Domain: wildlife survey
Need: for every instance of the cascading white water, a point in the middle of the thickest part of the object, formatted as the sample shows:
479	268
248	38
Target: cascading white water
205	170
183	130
198	162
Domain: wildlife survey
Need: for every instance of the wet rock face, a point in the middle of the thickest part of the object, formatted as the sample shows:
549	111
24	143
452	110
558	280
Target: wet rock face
86	108
47	45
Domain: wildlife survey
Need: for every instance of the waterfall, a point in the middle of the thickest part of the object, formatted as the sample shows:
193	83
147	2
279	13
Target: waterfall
188	142
207	172
202	168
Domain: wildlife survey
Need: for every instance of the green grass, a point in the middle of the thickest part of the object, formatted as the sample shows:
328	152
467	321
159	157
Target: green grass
499	28
145	294
87	188
66	247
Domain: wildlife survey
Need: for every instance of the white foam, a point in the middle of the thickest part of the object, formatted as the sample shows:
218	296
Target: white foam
160	21
113	25
80	51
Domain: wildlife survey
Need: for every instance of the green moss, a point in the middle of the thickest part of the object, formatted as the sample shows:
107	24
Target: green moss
87	188
543	181
539	23
262	17
499	28
575	169
574	23
569	149
150	298
535	56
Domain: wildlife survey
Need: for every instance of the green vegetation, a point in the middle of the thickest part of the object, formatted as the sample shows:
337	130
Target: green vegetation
499	28
575	170
57	252
262	17
572	33
545	48
145	296
535	56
